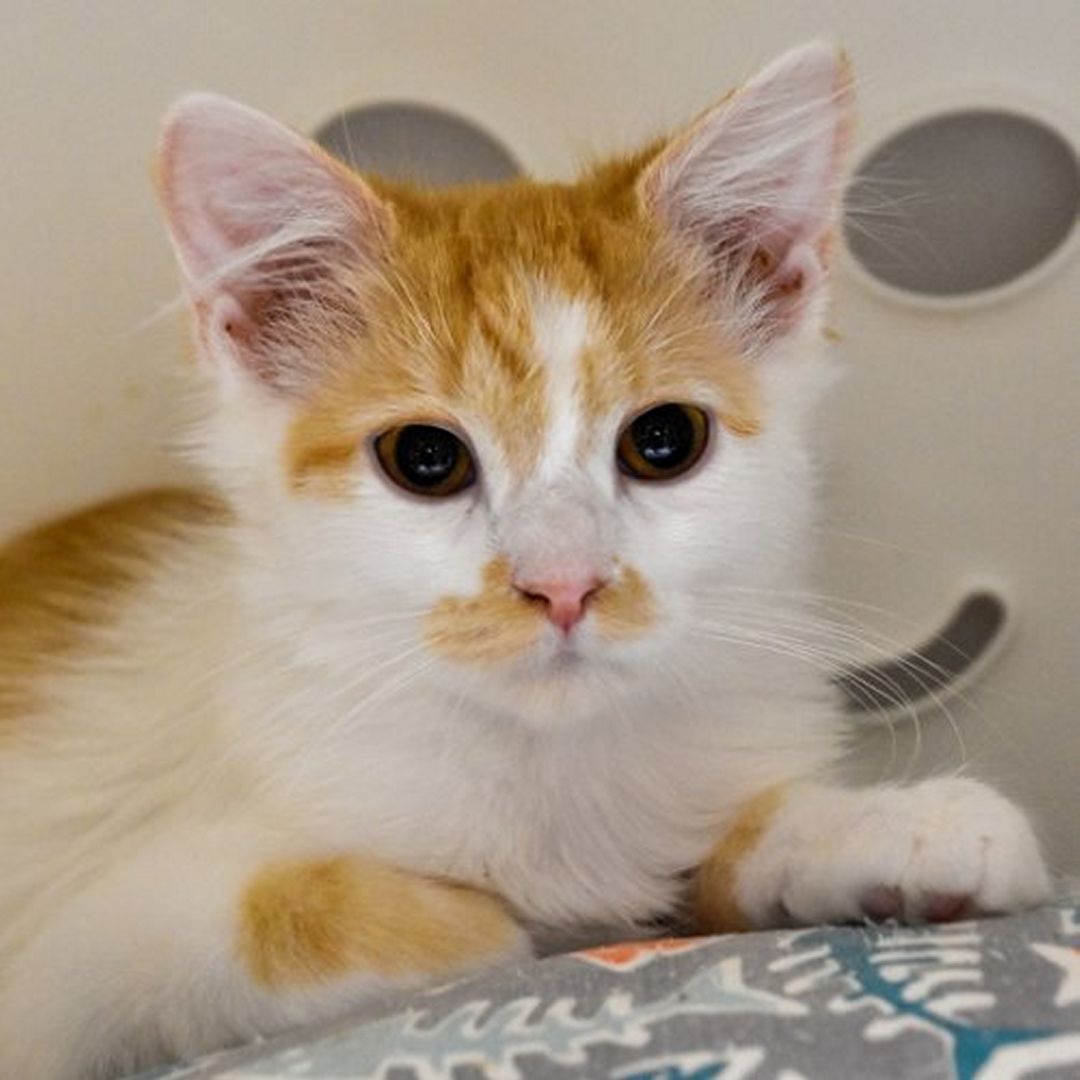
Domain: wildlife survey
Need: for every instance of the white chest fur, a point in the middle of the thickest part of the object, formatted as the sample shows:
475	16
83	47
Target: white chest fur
581	824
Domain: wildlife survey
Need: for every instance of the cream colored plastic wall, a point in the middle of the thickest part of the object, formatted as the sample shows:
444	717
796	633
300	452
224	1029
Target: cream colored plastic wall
955	436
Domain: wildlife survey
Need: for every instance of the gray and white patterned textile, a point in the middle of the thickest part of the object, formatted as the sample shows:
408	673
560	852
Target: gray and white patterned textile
992	999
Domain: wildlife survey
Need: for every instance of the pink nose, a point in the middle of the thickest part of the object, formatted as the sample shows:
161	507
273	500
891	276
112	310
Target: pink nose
565	598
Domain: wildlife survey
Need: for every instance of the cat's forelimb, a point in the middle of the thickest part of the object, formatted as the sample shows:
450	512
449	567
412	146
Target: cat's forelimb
203	941
933	851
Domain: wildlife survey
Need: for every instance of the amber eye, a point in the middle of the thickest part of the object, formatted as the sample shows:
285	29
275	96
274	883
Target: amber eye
663	442
425	460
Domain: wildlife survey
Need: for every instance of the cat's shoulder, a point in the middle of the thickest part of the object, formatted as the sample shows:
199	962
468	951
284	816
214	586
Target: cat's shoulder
60	580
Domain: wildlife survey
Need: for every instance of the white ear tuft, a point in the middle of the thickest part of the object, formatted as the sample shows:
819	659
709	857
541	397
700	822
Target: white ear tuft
273	236
753	186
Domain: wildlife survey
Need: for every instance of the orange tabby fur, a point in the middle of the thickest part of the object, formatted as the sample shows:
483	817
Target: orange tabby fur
61	580
308	921
499	622
714	904
269	788
450	322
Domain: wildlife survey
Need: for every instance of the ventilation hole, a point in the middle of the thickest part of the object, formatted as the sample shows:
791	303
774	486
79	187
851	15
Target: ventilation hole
416	143
933	671
962	202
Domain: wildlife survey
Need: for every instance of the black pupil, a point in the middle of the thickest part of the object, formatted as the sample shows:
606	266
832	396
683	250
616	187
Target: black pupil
426	456
664	436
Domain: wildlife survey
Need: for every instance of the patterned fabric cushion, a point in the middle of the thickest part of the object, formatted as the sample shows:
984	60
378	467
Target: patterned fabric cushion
990	999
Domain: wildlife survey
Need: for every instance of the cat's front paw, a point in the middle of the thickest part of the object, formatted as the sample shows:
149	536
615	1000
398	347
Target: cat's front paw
937	851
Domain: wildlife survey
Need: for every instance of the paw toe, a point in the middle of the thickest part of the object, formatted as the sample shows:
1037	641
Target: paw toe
882	902
943	907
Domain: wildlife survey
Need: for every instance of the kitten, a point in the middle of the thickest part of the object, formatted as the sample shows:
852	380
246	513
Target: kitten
472	644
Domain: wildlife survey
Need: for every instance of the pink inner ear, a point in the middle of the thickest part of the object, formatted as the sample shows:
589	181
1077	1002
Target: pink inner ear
228	316
274	237
232	178
755	185
799	271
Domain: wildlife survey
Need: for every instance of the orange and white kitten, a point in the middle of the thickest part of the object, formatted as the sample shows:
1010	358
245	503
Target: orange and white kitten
471	646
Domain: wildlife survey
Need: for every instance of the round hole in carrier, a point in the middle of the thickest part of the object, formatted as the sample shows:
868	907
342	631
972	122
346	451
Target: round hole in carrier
962	202
417	143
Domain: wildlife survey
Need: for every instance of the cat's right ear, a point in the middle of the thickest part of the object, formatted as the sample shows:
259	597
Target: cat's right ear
751	192
277	242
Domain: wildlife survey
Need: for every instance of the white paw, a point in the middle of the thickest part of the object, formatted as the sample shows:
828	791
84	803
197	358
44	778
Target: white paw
934	852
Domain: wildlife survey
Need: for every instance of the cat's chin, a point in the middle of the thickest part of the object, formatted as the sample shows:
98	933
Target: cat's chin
557	686
563	701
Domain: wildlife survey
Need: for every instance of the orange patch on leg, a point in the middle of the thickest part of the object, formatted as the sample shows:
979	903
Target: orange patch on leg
715	907
494	625
308	922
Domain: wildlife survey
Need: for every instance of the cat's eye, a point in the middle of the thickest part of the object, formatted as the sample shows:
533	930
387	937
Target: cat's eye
663	442
425	459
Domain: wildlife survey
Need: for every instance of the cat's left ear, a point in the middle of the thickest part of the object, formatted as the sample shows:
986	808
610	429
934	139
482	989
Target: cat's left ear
279	244
751	191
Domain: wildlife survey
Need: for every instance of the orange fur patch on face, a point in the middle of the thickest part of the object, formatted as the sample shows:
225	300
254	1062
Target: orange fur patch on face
486	373
494	625
322	449
303	922
715	907
624	608
60	581
321	455
683	363
507	395
448	323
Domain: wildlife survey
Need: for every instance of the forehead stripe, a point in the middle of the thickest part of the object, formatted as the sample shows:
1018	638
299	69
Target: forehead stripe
458	326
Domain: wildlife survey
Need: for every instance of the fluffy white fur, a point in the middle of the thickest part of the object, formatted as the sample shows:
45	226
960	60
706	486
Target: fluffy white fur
268	692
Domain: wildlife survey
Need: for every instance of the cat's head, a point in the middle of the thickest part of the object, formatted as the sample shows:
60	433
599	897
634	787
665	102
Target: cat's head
516	439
